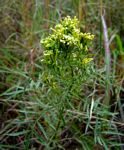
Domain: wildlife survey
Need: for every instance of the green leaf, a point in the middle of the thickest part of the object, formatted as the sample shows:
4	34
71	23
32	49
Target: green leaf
42	130
17	133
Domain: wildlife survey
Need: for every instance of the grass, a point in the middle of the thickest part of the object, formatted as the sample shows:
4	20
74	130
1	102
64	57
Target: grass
32	114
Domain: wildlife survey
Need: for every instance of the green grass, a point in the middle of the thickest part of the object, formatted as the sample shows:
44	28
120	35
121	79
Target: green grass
33	115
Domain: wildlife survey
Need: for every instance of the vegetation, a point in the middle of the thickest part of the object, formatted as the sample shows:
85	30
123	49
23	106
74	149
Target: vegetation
61	75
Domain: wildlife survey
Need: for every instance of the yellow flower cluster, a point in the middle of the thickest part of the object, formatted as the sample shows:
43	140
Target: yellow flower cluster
67	38
88	36
86	60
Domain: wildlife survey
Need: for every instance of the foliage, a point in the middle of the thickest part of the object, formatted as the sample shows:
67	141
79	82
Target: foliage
66	53
58	103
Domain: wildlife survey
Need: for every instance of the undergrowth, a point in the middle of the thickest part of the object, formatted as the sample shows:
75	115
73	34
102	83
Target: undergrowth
52	96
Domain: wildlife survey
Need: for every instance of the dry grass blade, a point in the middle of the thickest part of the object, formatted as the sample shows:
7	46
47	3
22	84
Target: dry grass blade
107	60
